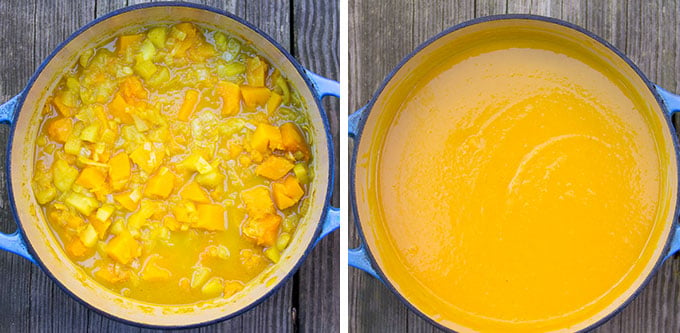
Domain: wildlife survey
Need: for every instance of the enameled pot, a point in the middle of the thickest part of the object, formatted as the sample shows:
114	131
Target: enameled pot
365	127
35	241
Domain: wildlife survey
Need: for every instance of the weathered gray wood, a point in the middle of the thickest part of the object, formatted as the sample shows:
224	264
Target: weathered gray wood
272	17
491	7
315	45
104	7
30	300
380	34
546	8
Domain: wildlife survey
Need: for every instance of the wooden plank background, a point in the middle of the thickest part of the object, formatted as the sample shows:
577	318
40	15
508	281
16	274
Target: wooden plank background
30	301
382	33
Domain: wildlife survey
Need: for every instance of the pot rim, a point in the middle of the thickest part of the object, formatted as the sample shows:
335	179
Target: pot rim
309	86
577	29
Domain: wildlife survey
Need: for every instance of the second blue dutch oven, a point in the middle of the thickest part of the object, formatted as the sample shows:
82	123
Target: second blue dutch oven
363	126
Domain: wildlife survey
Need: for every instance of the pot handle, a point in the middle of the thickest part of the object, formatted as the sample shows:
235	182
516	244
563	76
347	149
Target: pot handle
330	224
672	102
354	121
324	87
358	257
13	242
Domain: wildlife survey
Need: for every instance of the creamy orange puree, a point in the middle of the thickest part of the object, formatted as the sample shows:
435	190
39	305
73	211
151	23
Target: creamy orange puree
519	188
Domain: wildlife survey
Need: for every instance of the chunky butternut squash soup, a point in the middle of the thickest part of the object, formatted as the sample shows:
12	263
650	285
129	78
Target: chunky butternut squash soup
173	163
518	186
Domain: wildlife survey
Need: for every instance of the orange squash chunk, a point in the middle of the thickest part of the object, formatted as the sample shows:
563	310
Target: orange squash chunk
210	217
201	51
127	200
123	248
274	167
108	274
256	71
102	119
188	106
232	287
266	135
234	148
59	129
62	108
182	214
194	192
273	102
132	89
231	97
287	193
187	28
91	177
254	96
171	223
258	201
100	226
119	170
119	109
161	184
294	140
76	248
148	157
263	230
127	41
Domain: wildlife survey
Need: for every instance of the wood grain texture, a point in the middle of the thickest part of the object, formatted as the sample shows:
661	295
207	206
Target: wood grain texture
381	34
29	300
315	32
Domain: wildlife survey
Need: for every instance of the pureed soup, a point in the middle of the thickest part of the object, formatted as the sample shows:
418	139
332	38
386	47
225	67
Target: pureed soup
172	163
517	186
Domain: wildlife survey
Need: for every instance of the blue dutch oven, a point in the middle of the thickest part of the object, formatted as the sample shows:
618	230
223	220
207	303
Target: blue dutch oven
365	127
35	241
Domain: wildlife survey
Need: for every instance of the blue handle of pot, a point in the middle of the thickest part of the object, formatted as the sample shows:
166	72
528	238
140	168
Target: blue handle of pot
358	258
7	110
354	121
324	87
13	242
330	224
672	102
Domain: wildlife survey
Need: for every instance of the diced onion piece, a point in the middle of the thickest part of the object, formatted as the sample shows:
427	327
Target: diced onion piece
157	36
213	287
90	133
199	276
64	175
202	166
282	241
88	236
273	254
84	204
147	51
72	145
104	212
301	173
